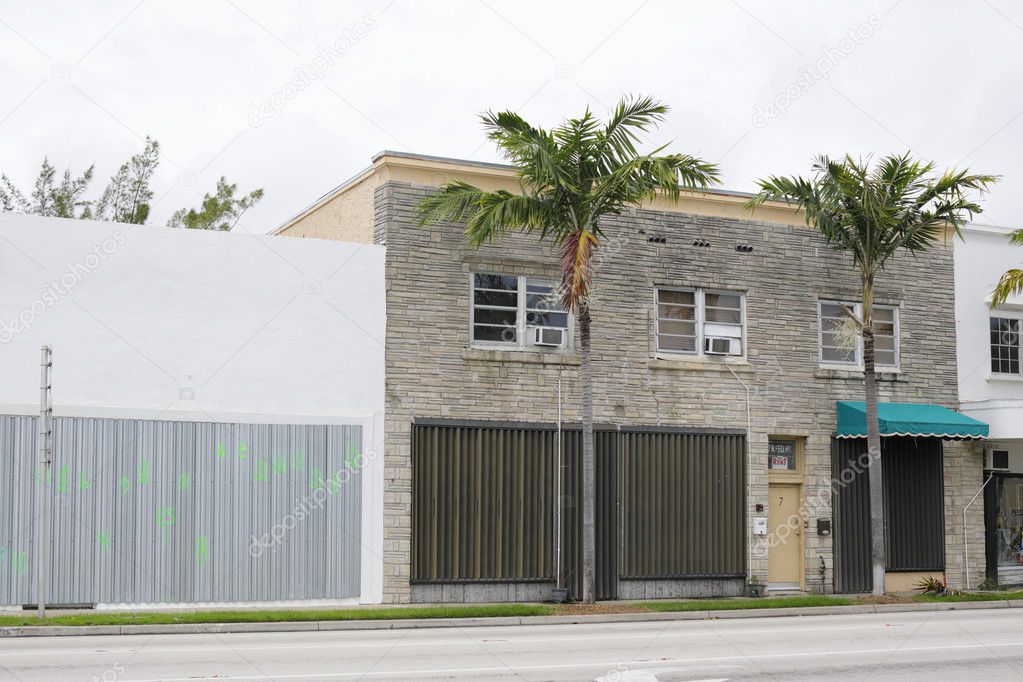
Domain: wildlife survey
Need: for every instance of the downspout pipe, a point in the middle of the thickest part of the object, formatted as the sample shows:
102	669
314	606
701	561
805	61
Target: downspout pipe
966	541
749	473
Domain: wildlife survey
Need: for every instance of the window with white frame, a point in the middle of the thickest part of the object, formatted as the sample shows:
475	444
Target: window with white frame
1005	345
840	342
507	310
699	322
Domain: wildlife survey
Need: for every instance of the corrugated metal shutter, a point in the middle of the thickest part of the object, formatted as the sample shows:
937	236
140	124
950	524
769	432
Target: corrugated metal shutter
605	445
681	495
914	504
683	504
482	503
913	483
851	516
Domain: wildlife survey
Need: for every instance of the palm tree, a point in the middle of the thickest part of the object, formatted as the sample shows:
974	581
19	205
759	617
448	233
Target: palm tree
1012	281
571	178
873	213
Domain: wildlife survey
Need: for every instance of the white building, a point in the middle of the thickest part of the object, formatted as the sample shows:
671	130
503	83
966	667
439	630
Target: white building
991	387
212	328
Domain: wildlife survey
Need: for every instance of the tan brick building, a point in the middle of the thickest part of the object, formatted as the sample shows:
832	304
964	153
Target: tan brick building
708	324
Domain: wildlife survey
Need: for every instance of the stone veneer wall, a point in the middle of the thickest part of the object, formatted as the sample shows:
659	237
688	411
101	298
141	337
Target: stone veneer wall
432	372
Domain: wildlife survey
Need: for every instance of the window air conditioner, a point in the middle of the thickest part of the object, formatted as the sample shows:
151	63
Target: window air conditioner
549	336
996	460
719	345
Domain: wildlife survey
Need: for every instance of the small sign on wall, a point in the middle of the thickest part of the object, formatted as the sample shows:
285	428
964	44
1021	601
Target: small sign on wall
760	525
781	455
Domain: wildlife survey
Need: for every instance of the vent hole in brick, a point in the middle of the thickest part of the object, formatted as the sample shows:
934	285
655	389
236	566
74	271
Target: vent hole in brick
744	248
702	243
657	239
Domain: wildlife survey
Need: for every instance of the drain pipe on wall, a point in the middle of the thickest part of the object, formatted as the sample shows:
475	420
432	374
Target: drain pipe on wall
557	495
966	541
749	475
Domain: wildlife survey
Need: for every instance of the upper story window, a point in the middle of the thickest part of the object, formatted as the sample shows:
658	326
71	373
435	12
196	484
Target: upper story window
517	312
842	346
700	322
1005	345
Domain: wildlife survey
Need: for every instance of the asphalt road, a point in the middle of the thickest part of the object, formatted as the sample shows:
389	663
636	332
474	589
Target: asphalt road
952	645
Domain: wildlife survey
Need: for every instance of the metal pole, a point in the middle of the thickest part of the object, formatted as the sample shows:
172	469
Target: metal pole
966	541
44	437
558	492
749	475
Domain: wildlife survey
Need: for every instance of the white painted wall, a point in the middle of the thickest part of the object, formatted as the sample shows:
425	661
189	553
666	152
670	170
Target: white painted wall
979	262
159	323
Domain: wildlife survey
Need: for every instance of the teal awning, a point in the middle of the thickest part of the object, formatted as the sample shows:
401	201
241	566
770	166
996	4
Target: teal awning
907	419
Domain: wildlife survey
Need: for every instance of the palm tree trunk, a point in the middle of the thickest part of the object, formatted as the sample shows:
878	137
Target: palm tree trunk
589	483
875	479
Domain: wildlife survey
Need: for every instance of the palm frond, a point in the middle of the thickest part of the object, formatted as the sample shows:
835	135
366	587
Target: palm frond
630	115
873	210
486	214
576	260
1010	284
534	151
571	177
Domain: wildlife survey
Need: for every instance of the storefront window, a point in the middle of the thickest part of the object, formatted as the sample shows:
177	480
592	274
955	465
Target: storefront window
1009	529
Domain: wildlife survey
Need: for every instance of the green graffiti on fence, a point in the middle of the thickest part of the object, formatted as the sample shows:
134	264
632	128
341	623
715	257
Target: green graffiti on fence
280	466
202	550
164	519
125	485
261	474
83	482
20	562
184	482
64	479
144	472
103	538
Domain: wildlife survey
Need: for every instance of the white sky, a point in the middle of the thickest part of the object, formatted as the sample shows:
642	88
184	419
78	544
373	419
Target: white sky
83	82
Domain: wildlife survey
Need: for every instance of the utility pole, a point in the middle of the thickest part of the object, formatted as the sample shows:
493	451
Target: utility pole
45	443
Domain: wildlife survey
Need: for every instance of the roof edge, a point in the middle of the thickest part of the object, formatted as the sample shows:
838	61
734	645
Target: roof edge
509	169
386	156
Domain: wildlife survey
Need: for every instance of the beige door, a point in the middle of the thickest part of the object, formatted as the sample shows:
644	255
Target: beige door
785	551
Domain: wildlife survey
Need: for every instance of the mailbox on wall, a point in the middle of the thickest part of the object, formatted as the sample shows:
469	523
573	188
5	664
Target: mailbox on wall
760	525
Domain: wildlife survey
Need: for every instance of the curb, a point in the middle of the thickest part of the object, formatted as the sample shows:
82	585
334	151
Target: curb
433	623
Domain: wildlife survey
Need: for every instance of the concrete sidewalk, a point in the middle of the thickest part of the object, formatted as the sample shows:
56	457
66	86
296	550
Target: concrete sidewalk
432	623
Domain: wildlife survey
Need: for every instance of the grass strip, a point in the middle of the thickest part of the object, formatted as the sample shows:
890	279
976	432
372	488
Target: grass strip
979	596
272	616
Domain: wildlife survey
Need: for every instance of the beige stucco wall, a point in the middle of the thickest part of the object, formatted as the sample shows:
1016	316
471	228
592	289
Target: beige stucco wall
347	216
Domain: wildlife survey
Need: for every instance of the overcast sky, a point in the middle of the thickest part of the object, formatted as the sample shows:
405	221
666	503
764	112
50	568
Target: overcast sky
758	86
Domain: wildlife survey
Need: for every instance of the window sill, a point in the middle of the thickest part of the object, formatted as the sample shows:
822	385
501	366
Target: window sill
697	363
1008	378
853	374
525	357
